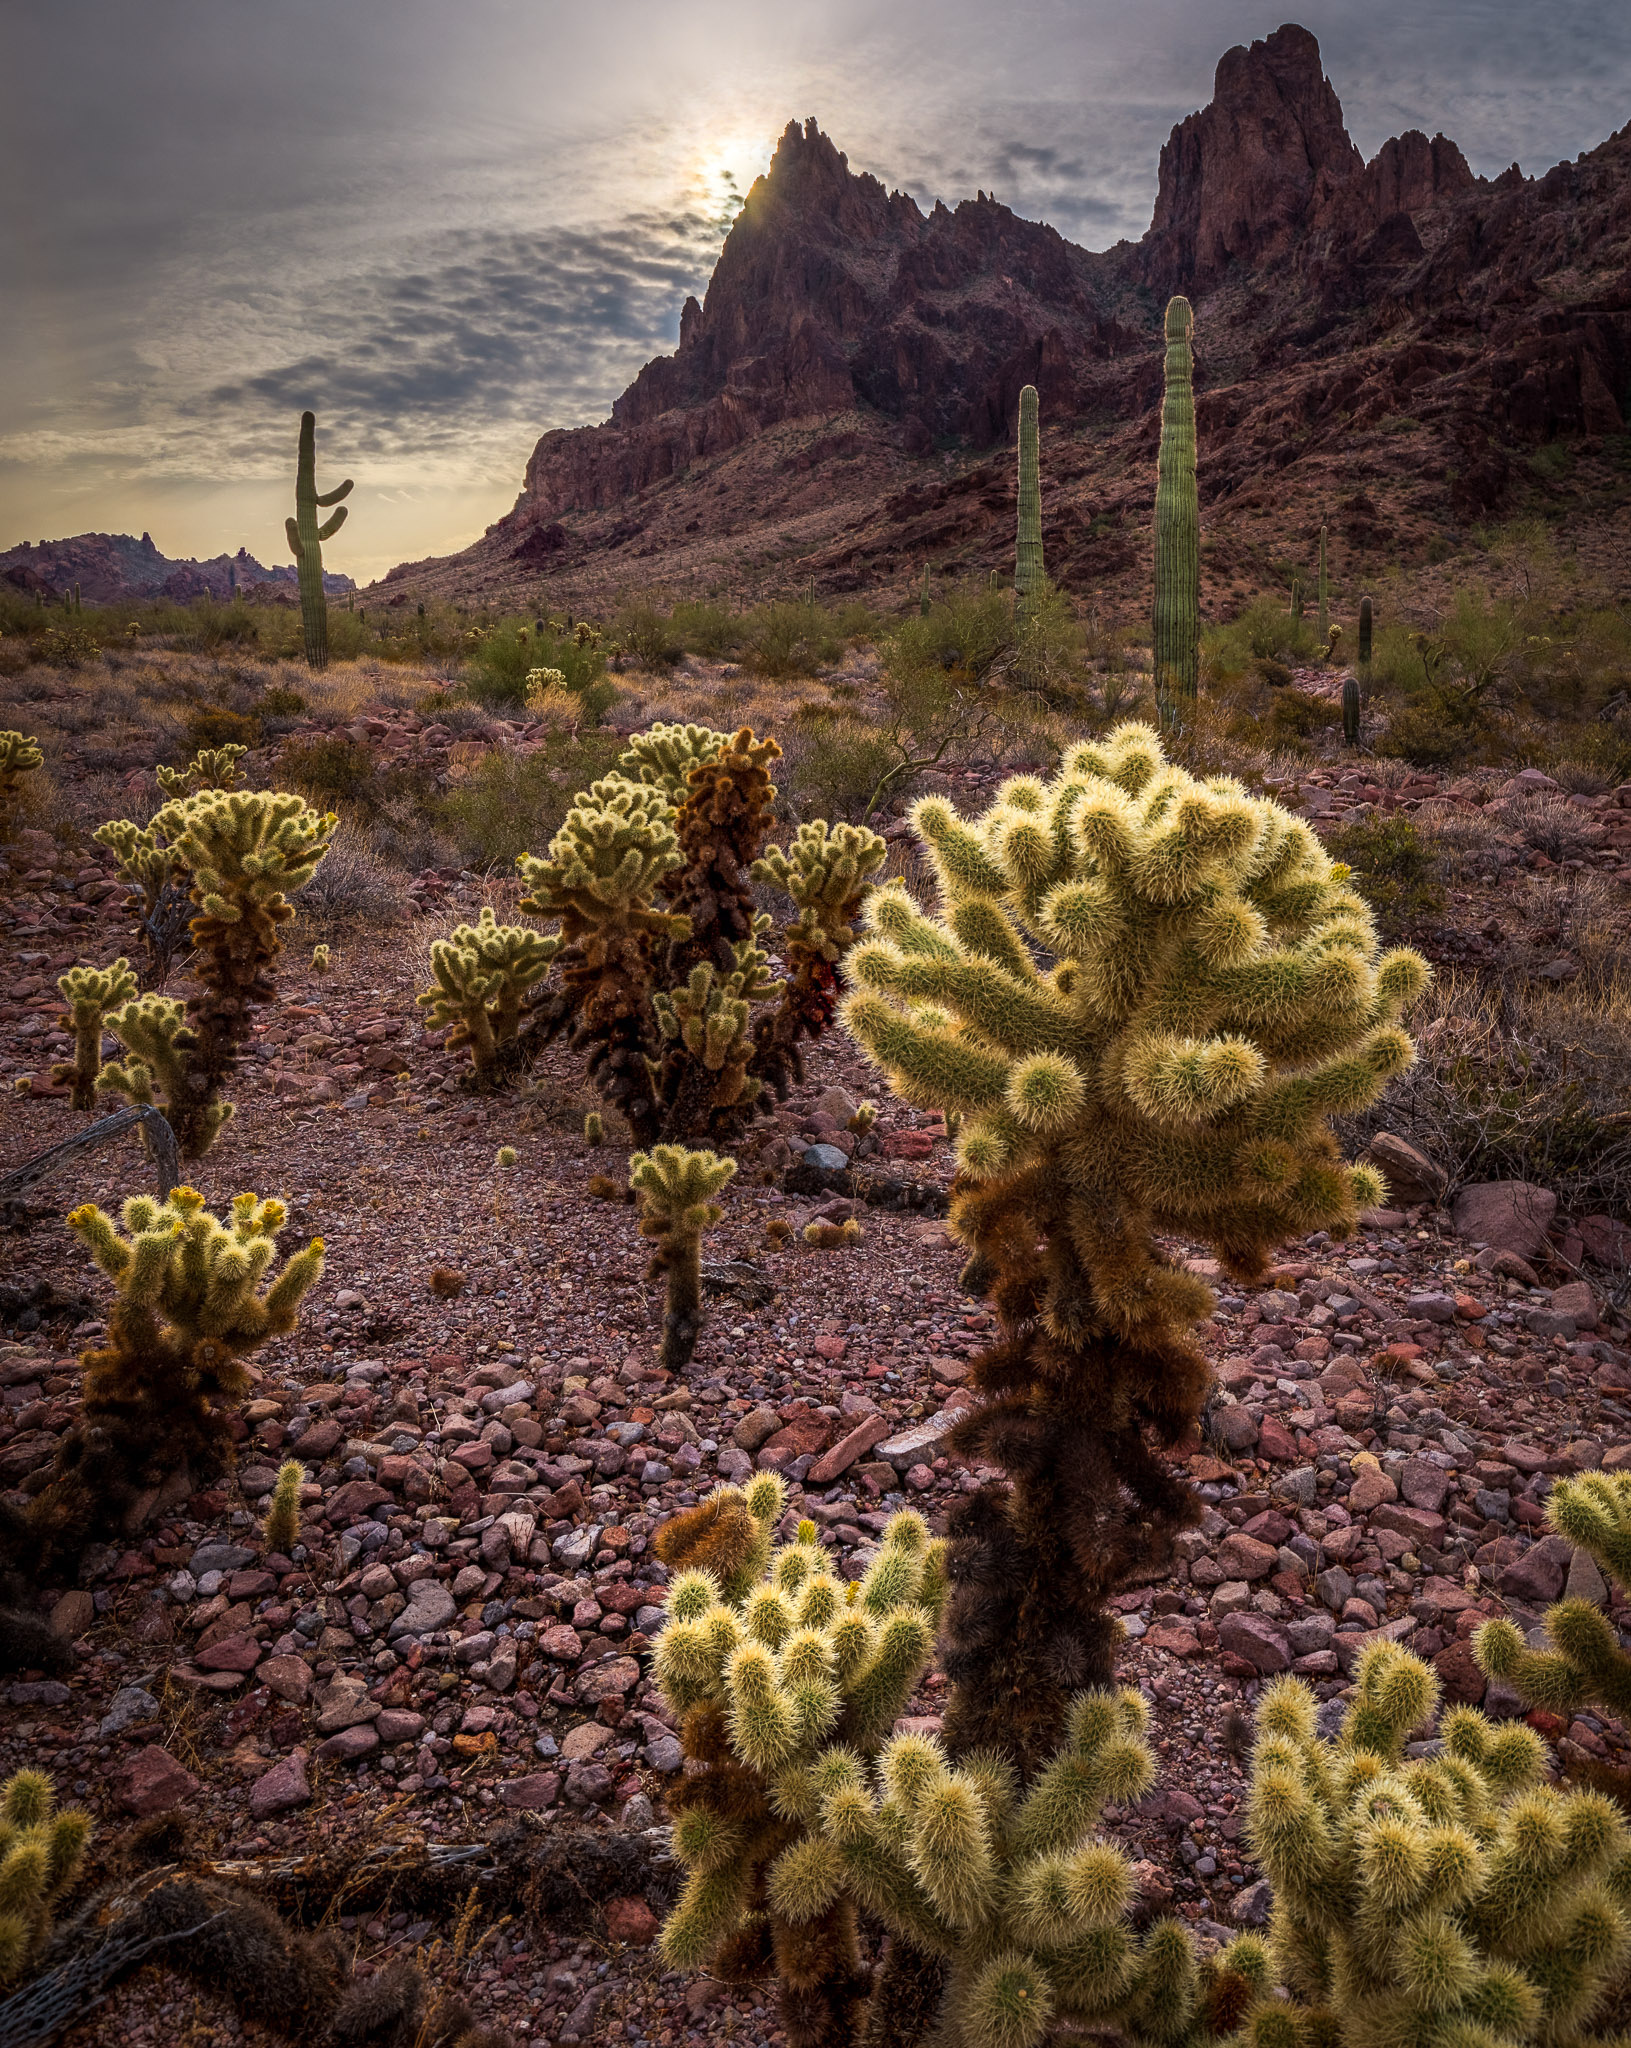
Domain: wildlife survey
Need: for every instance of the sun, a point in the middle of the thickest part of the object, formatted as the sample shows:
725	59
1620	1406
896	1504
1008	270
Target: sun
724	167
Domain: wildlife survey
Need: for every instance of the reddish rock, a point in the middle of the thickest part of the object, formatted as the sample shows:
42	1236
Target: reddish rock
1538	1575
152	1782
1276	1442
1464	1684
1255	1639
533	1793
1172	1637
631	1920
611	1680
1243	1557
280	1788
831	1465
562	1643
233	1653
319	1438
1607	1242
350	1746
288	1677
807	1434
1418	1524
355	1498
907	1145
1507	1215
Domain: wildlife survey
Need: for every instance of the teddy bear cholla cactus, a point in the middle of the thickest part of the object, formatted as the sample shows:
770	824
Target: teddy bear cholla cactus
827	870
41	1850
190	1306
676	1189
1025	1902
246	852
90	992
1586	1665
209	768
1455	1902
1211	993
482	972
19	756
775	1666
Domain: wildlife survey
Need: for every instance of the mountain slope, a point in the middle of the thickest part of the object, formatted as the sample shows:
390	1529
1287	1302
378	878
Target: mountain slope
1381	346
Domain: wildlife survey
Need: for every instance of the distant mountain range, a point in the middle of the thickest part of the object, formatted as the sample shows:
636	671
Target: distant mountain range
1398	349
113	568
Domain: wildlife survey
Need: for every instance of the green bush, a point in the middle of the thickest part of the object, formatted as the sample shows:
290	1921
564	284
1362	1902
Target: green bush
514	802
706	629
215	725
833	763
327	770
789	639
506	653
648	634
1436	727
1392	868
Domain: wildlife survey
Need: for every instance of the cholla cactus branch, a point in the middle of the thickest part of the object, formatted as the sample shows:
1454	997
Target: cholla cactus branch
676	1189
42	1848
1214	993
827	871
481	975
90	993
210	768
281	1530
1455	1899
19	756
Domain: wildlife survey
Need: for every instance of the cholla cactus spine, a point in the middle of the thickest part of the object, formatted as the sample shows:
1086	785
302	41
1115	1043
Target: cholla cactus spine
676	1189
482	972
281	1529
42	1849
1028	570
1586	1665
306	538
1177	529
90	993
1456	1898
160	1046
19	756
1216	992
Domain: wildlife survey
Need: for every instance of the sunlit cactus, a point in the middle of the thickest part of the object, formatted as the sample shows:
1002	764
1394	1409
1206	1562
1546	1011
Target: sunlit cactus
1177	620
194	1296
1586	1666
827	871
781	1674
245	853
705	1024
481	974
42	1848
319	959
677	1189
146	865
306	538
662	757
90	993
1145	996
594	1129
209	768
19	756
281	1529
1455	1899
1028	571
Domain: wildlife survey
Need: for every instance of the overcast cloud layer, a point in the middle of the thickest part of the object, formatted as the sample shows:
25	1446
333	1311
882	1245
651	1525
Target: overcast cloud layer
449	228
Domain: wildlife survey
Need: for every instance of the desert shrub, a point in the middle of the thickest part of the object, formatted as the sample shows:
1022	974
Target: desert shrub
210	625
835	764
1048	645
704	628
352	886
641	629
1466	845
1392	868
1437	727
328	770
504	655
278	702
789	639
215	725
1546	824
515	801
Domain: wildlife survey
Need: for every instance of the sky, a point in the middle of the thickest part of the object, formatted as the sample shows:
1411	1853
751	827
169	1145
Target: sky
448	228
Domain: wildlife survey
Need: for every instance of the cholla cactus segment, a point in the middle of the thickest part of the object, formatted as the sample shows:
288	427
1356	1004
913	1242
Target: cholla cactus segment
281	1529
676	1189
42	1848
209	768
246	850
542	685
786	1680
833	1237
1586	1665
161	1047
594	1129
1145	995
663	756
145	863
706	1024
1456	1899
605	863
319	959
481	974
19	756
826	870
90	993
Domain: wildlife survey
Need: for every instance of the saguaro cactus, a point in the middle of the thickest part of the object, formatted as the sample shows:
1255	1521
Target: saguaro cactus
189	1307
1324	591
41	1851
1456	1899
781	1673
1350	710
90	993
677	1190
1028	570
481	973
1177	529
1213	992
306	538
1586	1665
1365	616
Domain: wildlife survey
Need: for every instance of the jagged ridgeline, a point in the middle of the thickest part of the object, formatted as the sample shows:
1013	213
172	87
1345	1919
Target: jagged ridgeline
1144	996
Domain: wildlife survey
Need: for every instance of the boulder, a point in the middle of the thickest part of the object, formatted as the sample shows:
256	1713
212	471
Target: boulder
152	1782
1507	1215
1411	1176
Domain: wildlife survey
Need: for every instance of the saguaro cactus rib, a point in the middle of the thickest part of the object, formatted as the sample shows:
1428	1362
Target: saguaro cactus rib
306	538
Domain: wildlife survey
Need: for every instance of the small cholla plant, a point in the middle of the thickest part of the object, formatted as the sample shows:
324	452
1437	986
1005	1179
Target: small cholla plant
1017	1893
1586	1666
209	768
319	960
827	870
866	1115
1458	1901
90	992
833	1237
190	1306
245	852
481	974
703	1075
41	1851
19	756
146	866
281	1529
1144	997
779	1671
676	1189
594	1130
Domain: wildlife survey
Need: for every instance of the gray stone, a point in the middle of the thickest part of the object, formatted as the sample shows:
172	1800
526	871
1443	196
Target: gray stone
1493	1503
1252	1907
826	1159
1334	1587
430	1607
1410	1175
1585	1581
1257	1640
915	1445
574	1550
1301	1485
1234	1596
1234	1428
220	1557
1310	1633
663	1754
756	1429
1431	1308
1546	1322
129	1705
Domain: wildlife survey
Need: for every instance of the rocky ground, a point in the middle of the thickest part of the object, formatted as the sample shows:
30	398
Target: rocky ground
459	1643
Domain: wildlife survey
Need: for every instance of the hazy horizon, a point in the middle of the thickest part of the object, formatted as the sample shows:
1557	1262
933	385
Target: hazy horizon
449	231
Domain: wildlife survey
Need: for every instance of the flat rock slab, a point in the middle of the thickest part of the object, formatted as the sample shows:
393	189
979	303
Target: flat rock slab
152	1782
282	1787
831	1465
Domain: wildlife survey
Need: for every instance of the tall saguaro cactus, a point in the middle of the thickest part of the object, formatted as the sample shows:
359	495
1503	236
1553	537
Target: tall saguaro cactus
1028	548
1324	591
1365	617
1177	529
306	538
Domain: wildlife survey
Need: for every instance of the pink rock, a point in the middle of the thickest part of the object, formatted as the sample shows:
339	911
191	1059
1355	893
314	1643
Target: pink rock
608	1681
474	1457
1607	1242
1243	1557
152	1782
870	1430
531	1793
232	1653
349	1746
283	1786
564	1644
1256	1639
631	1920
1416	1523
1510	1215
1371	1488
1275	1441
1539	1574
356	1497
288	1677
399	1724
830	1347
